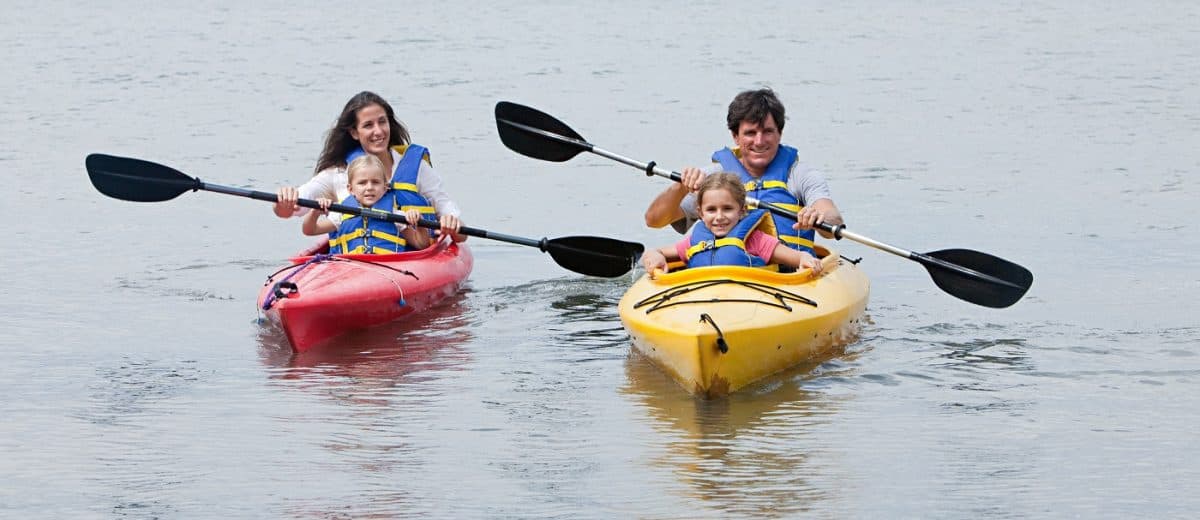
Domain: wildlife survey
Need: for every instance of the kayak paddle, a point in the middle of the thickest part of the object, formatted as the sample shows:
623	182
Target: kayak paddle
972	276
138	180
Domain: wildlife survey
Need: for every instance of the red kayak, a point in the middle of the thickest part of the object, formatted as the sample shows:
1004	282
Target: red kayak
320	296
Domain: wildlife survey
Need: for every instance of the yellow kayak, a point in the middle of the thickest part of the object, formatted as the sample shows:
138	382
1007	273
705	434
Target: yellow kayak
718	329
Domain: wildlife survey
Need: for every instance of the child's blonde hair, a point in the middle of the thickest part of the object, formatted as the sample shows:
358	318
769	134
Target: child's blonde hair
365	162
722	181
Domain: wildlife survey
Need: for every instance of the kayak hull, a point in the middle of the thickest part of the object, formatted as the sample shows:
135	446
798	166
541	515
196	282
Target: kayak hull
318	297
718	329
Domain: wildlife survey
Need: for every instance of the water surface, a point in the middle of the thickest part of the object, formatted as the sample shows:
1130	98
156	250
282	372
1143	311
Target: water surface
140	383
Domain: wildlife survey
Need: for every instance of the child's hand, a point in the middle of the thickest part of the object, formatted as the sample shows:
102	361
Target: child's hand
811	262
653	259
316	221
412	216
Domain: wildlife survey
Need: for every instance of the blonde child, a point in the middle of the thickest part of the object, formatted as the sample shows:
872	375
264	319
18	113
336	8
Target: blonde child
727	234
368	185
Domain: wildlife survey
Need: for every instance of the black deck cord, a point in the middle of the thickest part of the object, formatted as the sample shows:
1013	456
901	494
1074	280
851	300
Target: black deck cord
660	299
282	269
721	344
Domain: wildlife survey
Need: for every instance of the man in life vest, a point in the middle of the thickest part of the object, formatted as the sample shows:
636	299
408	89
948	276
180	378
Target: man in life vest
771	172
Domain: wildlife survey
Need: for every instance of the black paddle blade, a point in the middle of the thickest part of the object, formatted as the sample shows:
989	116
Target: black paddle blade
977	277
137	180
595	256
533	133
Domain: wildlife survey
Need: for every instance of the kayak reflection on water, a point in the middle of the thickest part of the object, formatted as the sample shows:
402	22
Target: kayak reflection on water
386	353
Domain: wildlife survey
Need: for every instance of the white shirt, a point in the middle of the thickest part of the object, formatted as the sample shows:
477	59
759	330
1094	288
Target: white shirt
331	183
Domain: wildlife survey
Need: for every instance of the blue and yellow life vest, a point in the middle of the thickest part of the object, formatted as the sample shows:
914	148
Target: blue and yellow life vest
706	249
772	187
404	179
358	234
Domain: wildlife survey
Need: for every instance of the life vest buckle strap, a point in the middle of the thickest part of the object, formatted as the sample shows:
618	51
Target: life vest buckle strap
700	247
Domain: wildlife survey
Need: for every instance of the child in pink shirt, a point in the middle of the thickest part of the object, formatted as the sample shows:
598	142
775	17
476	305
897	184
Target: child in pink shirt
721	200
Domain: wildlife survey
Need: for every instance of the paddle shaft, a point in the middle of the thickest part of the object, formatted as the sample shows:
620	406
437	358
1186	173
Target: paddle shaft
839	231
391	217
651	169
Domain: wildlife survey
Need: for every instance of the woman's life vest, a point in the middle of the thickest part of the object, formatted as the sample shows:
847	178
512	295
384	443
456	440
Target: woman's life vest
706	249
772	187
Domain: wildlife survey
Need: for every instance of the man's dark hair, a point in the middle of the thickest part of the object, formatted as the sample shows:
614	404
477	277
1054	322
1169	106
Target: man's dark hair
753	106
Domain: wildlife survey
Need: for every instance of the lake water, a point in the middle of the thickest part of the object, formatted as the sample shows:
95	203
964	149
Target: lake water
139	383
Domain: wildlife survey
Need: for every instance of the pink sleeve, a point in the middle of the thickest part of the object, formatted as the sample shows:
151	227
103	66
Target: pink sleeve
761	245
681	246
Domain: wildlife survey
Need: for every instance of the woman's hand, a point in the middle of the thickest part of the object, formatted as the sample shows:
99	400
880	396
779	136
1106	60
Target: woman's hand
287	203
451	225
